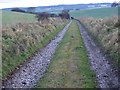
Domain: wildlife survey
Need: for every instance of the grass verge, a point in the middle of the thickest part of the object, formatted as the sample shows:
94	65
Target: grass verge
70	67
11	62
105	33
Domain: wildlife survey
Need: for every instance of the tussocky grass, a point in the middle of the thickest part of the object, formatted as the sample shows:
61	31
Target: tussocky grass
23	40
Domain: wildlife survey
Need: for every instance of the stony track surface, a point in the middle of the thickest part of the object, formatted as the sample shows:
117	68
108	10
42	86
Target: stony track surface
28	75
105	74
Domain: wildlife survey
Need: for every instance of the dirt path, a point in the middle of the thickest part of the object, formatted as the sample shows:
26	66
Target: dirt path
30	73
106	76
70	67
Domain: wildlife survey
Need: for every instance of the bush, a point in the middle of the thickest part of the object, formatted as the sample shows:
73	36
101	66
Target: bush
17	10
64	15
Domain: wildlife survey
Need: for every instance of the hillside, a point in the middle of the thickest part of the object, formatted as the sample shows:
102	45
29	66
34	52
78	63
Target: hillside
11	18
71	7
58	8
96	13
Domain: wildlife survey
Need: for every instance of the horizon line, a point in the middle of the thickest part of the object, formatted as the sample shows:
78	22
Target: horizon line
52	5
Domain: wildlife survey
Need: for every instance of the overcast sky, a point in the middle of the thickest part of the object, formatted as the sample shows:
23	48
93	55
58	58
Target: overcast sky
27	3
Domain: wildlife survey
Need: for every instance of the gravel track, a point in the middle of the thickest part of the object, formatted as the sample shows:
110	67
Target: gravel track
28	75
105	74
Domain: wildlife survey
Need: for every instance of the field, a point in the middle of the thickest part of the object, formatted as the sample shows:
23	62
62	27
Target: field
96	13
11	18
23	37
70	67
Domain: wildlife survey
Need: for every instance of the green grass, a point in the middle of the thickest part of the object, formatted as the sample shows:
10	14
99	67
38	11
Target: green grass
96	13
12	18
70	67
10	61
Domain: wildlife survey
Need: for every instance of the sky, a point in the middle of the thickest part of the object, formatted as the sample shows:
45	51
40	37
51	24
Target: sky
33	3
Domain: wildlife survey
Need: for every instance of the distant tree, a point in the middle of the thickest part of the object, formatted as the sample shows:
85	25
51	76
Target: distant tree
114	4
43	16
77	9
119	3
31	9
64	15
17	10
53	15
66	11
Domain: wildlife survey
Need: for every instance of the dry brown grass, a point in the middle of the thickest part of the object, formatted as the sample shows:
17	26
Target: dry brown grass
106	33
23	39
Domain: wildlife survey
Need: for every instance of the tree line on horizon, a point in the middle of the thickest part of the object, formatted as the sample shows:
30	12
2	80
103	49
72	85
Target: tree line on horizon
44	15
32	9
115	4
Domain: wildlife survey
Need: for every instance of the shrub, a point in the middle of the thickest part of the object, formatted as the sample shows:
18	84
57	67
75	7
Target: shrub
17	10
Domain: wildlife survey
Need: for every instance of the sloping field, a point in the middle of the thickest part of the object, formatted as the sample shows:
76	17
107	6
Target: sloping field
11	18
96	13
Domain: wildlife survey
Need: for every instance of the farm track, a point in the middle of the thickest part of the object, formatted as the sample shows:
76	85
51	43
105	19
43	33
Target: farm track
70	67
105	74
28	75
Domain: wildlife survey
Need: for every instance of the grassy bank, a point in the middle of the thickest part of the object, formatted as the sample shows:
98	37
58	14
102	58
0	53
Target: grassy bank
21	40
102	24
105	33
70	67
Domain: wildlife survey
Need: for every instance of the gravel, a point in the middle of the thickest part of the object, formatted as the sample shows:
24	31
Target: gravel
30	73
105	74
